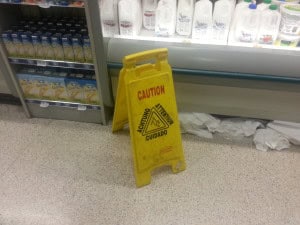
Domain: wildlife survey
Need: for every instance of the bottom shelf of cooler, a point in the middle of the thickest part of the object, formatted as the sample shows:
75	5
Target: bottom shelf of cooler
65	111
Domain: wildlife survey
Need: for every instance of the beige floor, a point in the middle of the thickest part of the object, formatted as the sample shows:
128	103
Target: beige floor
61	173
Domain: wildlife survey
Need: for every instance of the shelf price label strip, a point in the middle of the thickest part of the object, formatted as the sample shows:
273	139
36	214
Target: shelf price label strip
78	106
146	99
52	63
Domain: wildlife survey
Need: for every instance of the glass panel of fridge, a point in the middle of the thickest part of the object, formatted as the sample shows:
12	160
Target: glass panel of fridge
235	58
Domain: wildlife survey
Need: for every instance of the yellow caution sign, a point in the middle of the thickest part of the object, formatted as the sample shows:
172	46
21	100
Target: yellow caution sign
146	98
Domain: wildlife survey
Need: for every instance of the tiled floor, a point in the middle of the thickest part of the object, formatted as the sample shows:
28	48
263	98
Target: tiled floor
68	173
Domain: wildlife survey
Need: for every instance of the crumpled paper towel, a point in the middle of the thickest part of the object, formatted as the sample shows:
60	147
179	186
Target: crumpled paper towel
266	139
200	124
238	127
288	129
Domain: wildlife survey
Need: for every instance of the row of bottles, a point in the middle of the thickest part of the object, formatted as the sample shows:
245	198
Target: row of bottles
166	17
255	23
265	24
202	20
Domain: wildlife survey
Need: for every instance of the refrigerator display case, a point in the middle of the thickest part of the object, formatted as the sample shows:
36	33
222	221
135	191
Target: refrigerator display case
51	51
249	80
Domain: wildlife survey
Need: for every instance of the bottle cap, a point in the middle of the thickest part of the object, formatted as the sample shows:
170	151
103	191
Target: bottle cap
252	6
273	7
267	1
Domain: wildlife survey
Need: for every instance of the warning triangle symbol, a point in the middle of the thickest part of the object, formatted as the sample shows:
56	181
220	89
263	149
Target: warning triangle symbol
155	123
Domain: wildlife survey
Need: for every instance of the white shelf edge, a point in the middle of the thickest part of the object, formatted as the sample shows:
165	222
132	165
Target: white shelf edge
148	35
51	63
73	105
42	5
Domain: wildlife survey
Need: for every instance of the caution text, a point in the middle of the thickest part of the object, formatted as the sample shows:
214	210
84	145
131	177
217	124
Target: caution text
156	135
151	92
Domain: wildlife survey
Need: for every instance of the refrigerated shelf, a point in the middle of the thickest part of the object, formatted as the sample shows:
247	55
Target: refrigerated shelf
51	63
230	75
65	111
222	59
221	79
146	35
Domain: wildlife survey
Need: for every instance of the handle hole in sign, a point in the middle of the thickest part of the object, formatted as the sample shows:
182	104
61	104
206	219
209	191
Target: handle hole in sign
147	61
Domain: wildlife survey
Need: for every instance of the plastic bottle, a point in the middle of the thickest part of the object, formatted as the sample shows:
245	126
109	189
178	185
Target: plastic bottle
184	19
239	7
233	4
130	19
165	21
109	17
290	19
202	24
139	16
238	12
264	5
149	8
221	20
248	25
269	27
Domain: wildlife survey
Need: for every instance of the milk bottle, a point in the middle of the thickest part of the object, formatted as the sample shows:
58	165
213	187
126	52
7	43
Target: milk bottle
149	8
269	27
185	17
202	24
165	18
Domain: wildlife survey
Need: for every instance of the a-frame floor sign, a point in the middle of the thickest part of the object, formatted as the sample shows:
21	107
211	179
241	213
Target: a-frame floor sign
146	99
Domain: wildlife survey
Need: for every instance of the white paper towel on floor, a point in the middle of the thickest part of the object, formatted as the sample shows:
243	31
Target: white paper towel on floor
237	127
199	124
266	139
288	129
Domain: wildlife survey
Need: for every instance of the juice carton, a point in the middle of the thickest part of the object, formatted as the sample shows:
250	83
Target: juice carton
90	91
37	44
59	87
29	51
25	83
53	86
8	42
57	46
78	48
68	48
47	49
33	86
43	84
46	87
17	41
87	49
74	89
